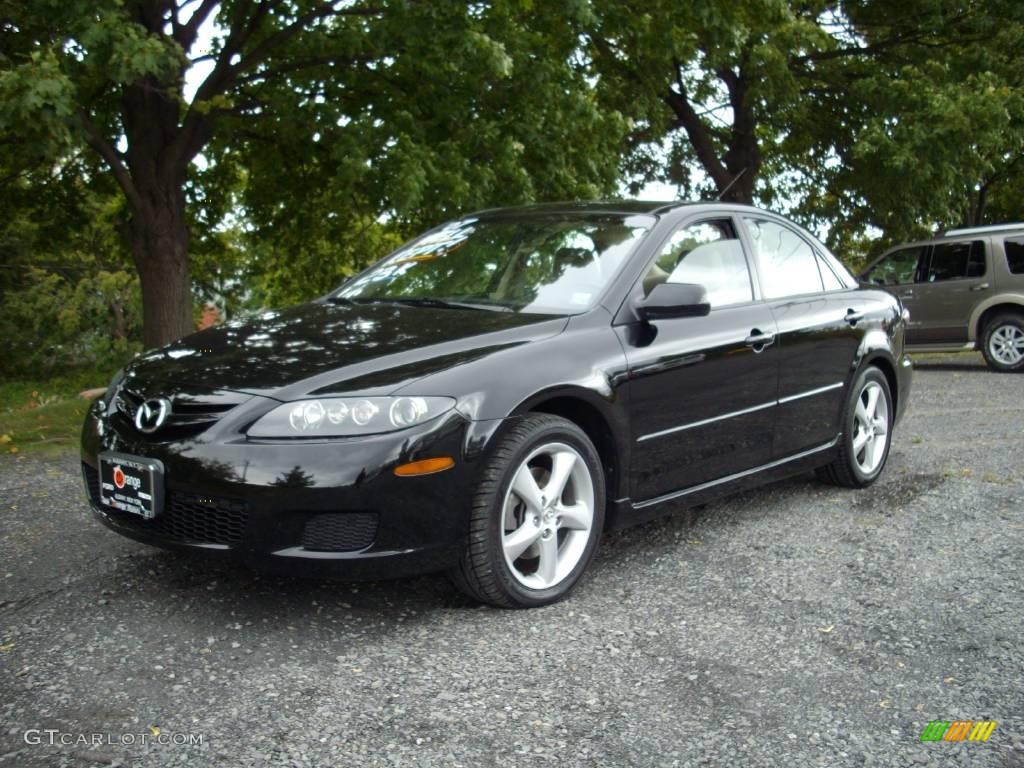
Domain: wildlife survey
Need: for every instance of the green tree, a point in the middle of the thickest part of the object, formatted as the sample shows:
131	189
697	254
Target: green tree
777	100
925	135
342	99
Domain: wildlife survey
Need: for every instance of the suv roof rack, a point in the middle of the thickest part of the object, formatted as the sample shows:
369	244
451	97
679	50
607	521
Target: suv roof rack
982	230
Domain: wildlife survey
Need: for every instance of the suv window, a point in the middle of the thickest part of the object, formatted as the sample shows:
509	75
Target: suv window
789	264
898	268
1014	248
956	261
708	254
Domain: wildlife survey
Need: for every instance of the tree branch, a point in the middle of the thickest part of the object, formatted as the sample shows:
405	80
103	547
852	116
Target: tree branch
699	135
196	125
110	155
185	34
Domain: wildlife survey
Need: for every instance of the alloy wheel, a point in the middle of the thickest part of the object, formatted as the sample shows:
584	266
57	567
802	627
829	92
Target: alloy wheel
547	516
1006	345
871	427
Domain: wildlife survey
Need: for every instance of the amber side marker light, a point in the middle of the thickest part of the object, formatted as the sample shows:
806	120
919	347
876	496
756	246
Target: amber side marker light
425	466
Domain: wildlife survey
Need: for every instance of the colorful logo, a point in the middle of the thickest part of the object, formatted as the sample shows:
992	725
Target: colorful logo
118	477
958	730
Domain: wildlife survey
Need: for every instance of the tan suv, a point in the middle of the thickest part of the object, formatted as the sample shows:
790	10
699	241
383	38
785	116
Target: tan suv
964	290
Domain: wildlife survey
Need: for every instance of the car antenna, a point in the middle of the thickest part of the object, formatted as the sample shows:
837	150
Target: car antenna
735	178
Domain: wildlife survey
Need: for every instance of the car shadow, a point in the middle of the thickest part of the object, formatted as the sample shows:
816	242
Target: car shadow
217	592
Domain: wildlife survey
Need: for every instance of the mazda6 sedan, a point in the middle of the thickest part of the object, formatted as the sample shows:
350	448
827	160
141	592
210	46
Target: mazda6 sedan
489	398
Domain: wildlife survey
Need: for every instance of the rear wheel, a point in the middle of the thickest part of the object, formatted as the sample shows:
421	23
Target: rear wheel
1003	343
867	432
536	518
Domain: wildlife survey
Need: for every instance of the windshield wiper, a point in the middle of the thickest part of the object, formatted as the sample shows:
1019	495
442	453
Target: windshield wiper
424	301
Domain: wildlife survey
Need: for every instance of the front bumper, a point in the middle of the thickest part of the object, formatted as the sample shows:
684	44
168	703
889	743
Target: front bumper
333	507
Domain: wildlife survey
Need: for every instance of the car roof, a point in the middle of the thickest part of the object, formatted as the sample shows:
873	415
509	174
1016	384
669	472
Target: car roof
988	229
627	207
965	233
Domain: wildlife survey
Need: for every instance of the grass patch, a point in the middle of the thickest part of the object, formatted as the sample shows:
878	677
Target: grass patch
46	416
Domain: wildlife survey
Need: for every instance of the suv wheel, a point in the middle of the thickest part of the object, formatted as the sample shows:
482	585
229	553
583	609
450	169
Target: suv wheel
1003	343
537	515
867	428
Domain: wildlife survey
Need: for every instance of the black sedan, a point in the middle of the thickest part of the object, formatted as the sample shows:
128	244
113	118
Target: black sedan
492	396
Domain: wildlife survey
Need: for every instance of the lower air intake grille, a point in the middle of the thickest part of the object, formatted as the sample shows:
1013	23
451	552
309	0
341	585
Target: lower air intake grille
92	482
340	532
186	517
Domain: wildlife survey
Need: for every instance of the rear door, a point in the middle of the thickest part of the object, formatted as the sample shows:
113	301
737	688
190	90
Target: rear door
955	278
820	322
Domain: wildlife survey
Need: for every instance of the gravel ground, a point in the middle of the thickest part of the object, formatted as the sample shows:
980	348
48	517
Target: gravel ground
796	625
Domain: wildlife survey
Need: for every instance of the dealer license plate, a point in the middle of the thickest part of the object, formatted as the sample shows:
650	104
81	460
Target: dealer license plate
132	484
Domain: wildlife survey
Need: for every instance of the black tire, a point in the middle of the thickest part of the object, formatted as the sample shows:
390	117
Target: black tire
845	470
483	572
1014	323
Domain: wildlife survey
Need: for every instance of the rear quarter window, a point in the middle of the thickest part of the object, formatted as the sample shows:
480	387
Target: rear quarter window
1014	248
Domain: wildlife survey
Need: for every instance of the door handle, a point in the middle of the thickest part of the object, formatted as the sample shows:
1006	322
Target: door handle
853	316
980	287
908	293
758	340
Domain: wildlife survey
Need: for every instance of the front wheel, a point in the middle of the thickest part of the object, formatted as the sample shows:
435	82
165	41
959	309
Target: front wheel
1003	343
536	517
867	433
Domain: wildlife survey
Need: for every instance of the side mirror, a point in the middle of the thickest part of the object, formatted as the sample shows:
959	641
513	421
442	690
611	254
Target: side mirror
674	300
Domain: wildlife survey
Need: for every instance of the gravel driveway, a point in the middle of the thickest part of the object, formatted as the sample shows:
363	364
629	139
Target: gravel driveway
796	625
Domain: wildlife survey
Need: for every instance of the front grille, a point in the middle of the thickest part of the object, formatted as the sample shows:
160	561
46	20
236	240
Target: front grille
340	532
186	517
191	413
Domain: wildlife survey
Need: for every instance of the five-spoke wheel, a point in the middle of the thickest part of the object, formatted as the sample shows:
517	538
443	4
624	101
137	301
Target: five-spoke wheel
536	516
548	515
871	427
864	444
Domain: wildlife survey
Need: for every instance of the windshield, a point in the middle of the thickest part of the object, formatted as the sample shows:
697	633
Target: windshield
547	263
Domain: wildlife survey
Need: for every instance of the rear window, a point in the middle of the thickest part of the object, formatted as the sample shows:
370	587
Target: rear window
956	261
1014	247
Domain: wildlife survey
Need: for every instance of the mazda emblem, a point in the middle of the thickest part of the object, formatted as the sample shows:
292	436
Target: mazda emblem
152	414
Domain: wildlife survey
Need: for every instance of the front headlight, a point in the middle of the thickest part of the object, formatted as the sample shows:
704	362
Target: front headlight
348	416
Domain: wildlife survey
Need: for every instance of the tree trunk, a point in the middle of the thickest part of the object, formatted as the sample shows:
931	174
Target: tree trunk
159	243
158	162
978	216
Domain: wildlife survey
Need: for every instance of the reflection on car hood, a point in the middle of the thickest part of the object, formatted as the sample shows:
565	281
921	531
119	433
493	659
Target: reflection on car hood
326	348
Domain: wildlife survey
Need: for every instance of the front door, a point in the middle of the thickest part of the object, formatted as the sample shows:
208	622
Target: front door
701	390
898	274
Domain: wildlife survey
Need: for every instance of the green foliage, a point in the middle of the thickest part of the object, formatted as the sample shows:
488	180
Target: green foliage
327	134
52	323
924	135
327	131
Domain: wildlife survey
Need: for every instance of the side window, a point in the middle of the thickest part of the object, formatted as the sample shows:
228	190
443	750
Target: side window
956	261
789	265
898	268
1014	248
828	277
709	254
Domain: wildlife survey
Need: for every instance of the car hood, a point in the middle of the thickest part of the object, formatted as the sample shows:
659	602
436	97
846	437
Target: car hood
322	348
